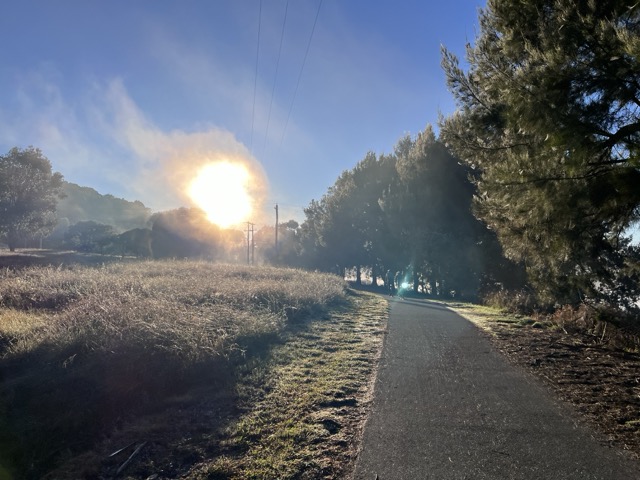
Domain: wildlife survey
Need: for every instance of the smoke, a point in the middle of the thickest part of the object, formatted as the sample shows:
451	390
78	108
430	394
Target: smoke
165	163
103	139
37	114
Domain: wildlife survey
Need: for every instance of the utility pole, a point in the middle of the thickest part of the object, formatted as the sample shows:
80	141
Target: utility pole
250	243
276	230
253	246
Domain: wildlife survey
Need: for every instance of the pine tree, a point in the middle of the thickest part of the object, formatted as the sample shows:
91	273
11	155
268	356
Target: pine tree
549	120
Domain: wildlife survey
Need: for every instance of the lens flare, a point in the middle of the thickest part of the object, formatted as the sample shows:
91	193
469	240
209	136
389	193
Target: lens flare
221	190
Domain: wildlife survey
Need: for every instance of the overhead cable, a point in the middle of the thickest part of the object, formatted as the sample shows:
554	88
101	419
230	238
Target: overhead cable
284	22
300	74
255	82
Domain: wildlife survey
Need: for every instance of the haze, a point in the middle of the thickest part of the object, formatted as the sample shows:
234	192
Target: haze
121	96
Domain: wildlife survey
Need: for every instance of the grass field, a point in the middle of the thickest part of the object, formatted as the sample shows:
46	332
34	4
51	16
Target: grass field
196	364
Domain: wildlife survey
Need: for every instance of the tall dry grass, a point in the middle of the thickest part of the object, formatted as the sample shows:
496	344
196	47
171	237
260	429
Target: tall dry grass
82	348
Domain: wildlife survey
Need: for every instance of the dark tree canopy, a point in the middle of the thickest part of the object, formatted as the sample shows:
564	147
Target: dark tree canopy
429	212
90	236
29	192
549	118
184	233
408	212
136	242
346	227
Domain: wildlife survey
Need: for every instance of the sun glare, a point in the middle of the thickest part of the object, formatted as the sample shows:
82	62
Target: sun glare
220	189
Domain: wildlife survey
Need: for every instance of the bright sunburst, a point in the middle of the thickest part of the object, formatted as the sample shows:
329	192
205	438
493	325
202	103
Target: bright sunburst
220	189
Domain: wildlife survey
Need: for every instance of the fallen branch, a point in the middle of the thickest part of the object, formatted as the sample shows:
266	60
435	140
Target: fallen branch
120	450
135	452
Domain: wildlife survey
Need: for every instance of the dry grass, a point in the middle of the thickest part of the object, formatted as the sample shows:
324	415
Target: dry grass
82	349
296	413
312	404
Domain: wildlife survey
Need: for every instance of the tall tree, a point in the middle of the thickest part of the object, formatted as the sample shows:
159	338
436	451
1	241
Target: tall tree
339	235
346	227
549	119
429	210
29	192
312	253
371	177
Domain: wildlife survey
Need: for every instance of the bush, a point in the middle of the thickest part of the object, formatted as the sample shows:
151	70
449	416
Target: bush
516	301
606	325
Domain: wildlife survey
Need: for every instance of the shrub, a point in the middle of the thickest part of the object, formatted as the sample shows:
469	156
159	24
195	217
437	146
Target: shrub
606	325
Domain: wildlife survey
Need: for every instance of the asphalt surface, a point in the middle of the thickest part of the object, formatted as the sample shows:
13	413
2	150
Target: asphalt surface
448	407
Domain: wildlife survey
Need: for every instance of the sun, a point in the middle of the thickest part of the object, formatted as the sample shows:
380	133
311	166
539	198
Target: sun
221	190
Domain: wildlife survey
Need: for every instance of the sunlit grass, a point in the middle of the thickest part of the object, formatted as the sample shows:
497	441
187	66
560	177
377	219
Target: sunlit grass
312	401
82	348
485	316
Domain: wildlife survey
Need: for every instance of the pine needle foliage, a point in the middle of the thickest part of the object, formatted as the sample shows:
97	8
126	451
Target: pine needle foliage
549	118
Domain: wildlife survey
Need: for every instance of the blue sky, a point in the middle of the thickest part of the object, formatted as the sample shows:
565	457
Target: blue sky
130	97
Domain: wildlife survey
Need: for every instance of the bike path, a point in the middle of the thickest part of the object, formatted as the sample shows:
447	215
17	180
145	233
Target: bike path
447	406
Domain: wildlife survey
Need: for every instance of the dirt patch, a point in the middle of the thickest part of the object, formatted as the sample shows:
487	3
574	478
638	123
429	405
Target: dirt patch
601	383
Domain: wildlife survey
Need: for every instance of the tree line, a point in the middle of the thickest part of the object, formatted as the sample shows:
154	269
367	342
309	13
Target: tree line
548	131
39	209
411	212
531	186
178	233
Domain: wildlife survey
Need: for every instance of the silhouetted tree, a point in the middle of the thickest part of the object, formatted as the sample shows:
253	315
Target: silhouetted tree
29	192
346	229
408	211
312	252
183	233
136	241
372	176
89	237
338	235
549	120
429	209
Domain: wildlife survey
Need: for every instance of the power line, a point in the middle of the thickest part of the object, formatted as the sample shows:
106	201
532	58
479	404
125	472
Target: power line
300	75
284	22
255	82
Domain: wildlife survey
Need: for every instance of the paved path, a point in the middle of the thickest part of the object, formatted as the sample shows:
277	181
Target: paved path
448	407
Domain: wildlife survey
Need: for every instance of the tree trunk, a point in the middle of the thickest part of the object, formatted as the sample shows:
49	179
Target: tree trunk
433	287
12	241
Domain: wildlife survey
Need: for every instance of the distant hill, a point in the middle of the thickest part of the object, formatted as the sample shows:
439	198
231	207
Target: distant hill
84	204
